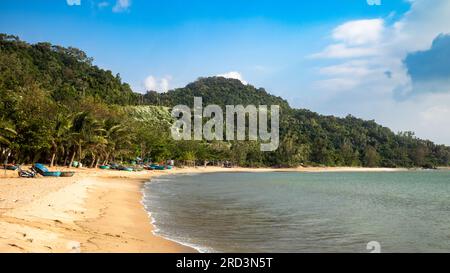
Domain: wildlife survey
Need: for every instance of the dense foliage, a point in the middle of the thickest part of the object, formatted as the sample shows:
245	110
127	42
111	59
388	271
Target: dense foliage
57	107
65	74
215	90
309	138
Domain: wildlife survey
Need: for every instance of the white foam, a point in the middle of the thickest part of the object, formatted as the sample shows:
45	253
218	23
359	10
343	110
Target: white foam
157	231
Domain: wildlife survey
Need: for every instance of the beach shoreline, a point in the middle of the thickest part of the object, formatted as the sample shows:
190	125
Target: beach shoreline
94	211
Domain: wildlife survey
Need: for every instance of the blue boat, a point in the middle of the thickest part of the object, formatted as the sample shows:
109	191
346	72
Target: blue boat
11	167
42	170
114	166
157	167
123	168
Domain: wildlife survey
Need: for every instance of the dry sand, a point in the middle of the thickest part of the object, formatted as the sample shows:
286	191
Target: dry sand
94	211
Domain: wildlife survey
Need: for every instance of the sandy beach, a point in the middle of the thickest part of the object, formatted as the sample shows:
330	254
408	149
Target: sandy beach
94	211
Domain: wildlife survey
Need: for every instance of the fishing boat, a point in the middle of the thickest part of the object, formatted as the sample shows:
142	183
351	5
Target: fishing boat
11	167
123	168
42	170
114	166
157	167
67	174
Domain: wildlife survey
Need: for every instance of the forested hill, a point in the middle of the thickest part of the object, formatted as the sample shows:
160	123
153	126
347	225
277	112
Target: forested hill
308	137
65	73
215	90
56	106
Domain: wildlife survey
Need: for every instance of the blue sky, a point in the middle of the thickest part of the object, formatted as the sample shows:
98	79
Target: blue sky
188	39
329	56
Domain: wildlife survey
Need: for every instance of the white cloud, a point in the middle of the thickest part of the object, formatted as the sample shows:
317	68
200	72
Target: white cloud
435	114
426	20
360	32
337	84
121	5
354	78
341	50
152	83
357	68
164	84
427	115
233	75
73	2
355	39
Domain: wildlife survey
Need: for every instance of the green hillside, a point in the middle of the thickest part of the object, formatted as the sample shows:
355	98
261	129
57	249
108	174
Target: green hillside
56	106
215	90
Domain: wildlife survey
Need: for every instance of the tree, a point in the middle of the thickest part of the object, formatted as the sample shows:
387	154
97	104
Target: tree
371	157
7	135
419	154
348	155
60	134
85	130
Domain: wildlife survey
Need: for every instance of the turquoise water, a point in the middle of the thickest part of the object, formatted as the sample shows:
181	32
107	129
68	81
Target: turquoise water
304	212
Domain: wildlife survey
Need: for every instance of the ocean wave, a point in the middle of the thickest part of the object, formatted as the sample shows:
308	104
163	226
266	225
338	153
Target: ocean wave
165	234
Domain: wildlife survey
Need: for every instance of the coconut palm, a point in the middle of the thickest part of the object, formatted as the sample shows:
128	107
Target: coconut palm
96	147
84	130
60	135
117	137
7	134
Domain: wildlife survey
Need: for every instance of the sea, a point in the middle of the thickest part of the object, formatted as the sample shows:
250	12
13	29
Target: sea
323	212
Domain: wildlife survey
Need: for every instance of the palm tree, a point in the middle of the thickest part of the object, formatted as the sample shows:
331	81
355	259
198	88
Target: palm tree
7	133
96	147
84	130
117	137
60	135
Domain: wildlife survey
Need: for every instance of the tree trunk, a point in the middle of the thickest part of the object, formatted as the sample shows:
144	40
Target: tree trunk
79	153
142	151
65	160
96	163
53	160
6	158
106	159
72	159
93	162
